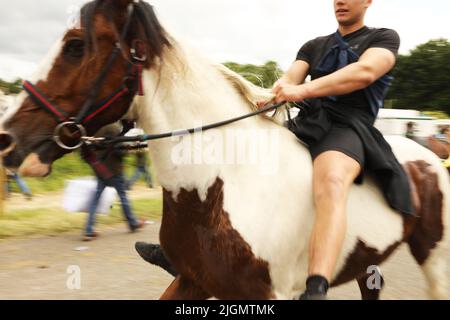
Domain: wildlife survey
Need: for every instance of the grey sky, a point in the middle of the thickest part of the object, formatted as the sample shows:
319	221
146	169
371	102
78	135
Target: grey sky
250	31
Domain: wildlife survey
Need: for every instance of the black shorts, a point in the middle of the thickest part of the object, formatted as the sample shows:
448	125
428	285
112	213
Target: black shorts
343	139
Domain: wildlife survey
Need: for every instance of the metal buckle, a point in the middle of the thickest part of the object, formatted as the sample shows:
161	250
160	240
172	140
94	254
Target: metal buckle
57	135
135	51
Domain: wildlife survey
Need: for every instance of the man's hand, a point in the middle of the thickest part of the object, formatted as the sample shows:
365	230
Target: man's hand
295	75
286	93
262	104
289	93
281	81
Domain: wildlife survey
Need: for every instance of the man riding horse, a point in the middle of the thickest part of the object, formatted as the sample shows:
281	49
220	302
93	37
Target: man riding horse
221	233
349	71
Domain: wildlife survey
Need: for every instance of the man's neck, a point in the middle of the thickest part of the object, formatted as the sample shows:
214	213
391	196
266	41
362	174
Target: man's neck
345	30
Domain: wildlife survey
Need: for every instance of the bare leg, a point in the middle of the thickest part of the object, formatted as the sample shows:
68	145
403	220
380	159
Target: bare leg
184	289
334	173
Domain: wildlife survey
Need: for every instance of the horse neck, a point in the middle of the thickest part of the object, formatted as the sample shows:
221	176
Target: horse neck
190	94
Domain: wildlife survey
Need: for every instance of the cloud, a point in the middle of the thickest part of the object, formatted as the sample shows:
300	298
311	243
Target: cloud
250	31
28	29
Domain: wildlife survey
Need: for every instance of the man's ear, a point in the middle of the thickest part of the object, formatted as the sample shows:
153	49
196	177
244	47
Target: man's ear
368	3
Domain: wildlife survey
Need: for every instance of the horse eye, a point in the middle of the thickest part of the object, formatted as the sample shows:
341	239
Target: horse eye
74	48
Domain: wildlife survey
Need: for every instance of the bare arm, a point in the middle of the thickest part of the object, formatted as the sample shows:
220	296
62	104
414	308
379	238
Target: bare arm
296	74
372	65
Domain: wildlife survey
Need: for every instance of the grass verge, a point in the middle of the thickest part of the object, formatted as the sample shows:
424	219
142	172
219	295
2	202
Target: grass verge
54	221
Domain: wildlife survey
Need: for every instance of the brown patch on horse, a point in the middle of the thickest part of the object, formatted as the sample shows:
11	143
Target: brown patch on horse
200	242
366	292
422	233
428	228
184	289
360	259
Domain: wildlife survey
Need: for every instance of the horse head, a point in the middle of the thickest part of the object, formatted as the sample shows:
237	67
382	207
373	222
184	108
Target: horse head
88	80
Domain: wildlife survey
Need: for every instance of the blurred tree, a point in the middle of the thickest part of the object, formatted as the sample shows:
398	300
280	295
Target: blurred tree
422	78
263	76
11	87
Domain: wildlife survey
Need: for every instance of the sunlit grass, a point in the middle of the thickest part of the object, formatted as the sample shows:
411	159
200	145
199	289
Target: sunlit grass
54	221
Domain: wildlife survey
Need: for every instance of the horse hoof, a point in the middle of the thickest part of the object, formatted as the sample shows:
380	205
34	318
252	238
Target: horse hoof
147	251
308	296
153	254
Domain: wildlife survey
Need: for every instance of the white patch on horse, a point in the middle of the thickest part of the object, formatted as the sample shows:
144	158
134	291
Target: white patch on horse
274	215
41	74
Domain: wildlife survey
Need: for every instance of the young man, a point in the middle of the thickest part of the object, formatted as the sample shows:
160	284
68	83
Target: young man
338	156
349	71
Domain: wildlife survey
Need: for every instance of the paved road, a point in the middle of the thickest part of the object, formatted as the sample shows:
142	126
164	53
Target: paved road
36	268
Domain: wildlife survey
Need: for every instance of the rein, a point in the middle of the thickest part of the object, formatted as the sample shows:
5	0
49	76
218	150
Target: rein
107	142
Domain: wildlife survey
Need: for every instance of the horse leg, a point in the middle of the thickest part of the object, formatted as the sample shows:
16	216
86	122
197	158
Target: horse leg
434	270
184	289
366	292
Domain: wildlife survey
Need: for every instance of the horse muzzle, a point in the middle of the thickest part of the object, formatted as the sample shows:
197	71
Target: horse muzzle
32	166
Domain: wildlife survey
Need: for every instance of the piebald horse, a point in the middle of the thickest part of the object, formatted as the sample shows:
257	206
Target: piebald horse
231	230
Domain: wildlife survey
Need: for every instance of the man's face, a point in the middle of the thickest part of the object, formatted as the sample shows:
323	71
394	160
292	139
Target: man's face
348	12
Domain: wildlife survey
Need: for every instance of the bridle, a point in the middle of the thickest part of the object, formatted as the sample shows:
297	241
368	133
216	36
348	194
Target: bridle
132	85
75	127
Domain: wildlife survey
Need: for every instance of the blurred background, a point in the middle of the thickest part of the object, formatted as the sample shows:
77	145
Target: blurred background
40	237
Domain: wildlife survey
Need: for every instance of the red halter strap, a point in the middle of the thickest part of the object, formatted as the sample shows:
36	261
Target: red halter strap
61	116
41	100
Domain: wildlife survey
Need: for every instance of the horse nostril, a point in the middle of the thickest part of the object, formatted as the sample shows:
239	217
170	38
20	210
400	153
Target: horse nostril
6	143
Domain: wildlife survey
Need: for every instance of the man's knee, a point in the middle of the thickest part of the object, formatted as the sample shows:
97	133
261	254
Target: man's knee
330	185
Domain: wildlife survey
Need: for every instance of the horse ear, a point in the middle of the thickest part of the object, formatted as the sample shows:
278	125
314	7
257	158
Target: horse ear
122	4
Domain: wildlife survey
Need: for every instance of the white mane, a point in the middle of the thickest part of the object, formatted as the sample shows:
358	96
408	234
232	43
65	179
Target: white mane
248	90
182	65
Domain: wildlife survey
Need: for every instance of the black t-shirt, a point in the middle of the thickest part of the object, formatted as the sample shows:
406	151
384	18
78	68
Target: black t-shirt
361	40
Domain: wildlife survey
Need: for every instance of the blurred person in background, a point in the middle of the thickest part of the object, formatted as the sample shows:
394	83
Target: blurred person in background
142	163
442	134
108	167
410	130
10	176
142	166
